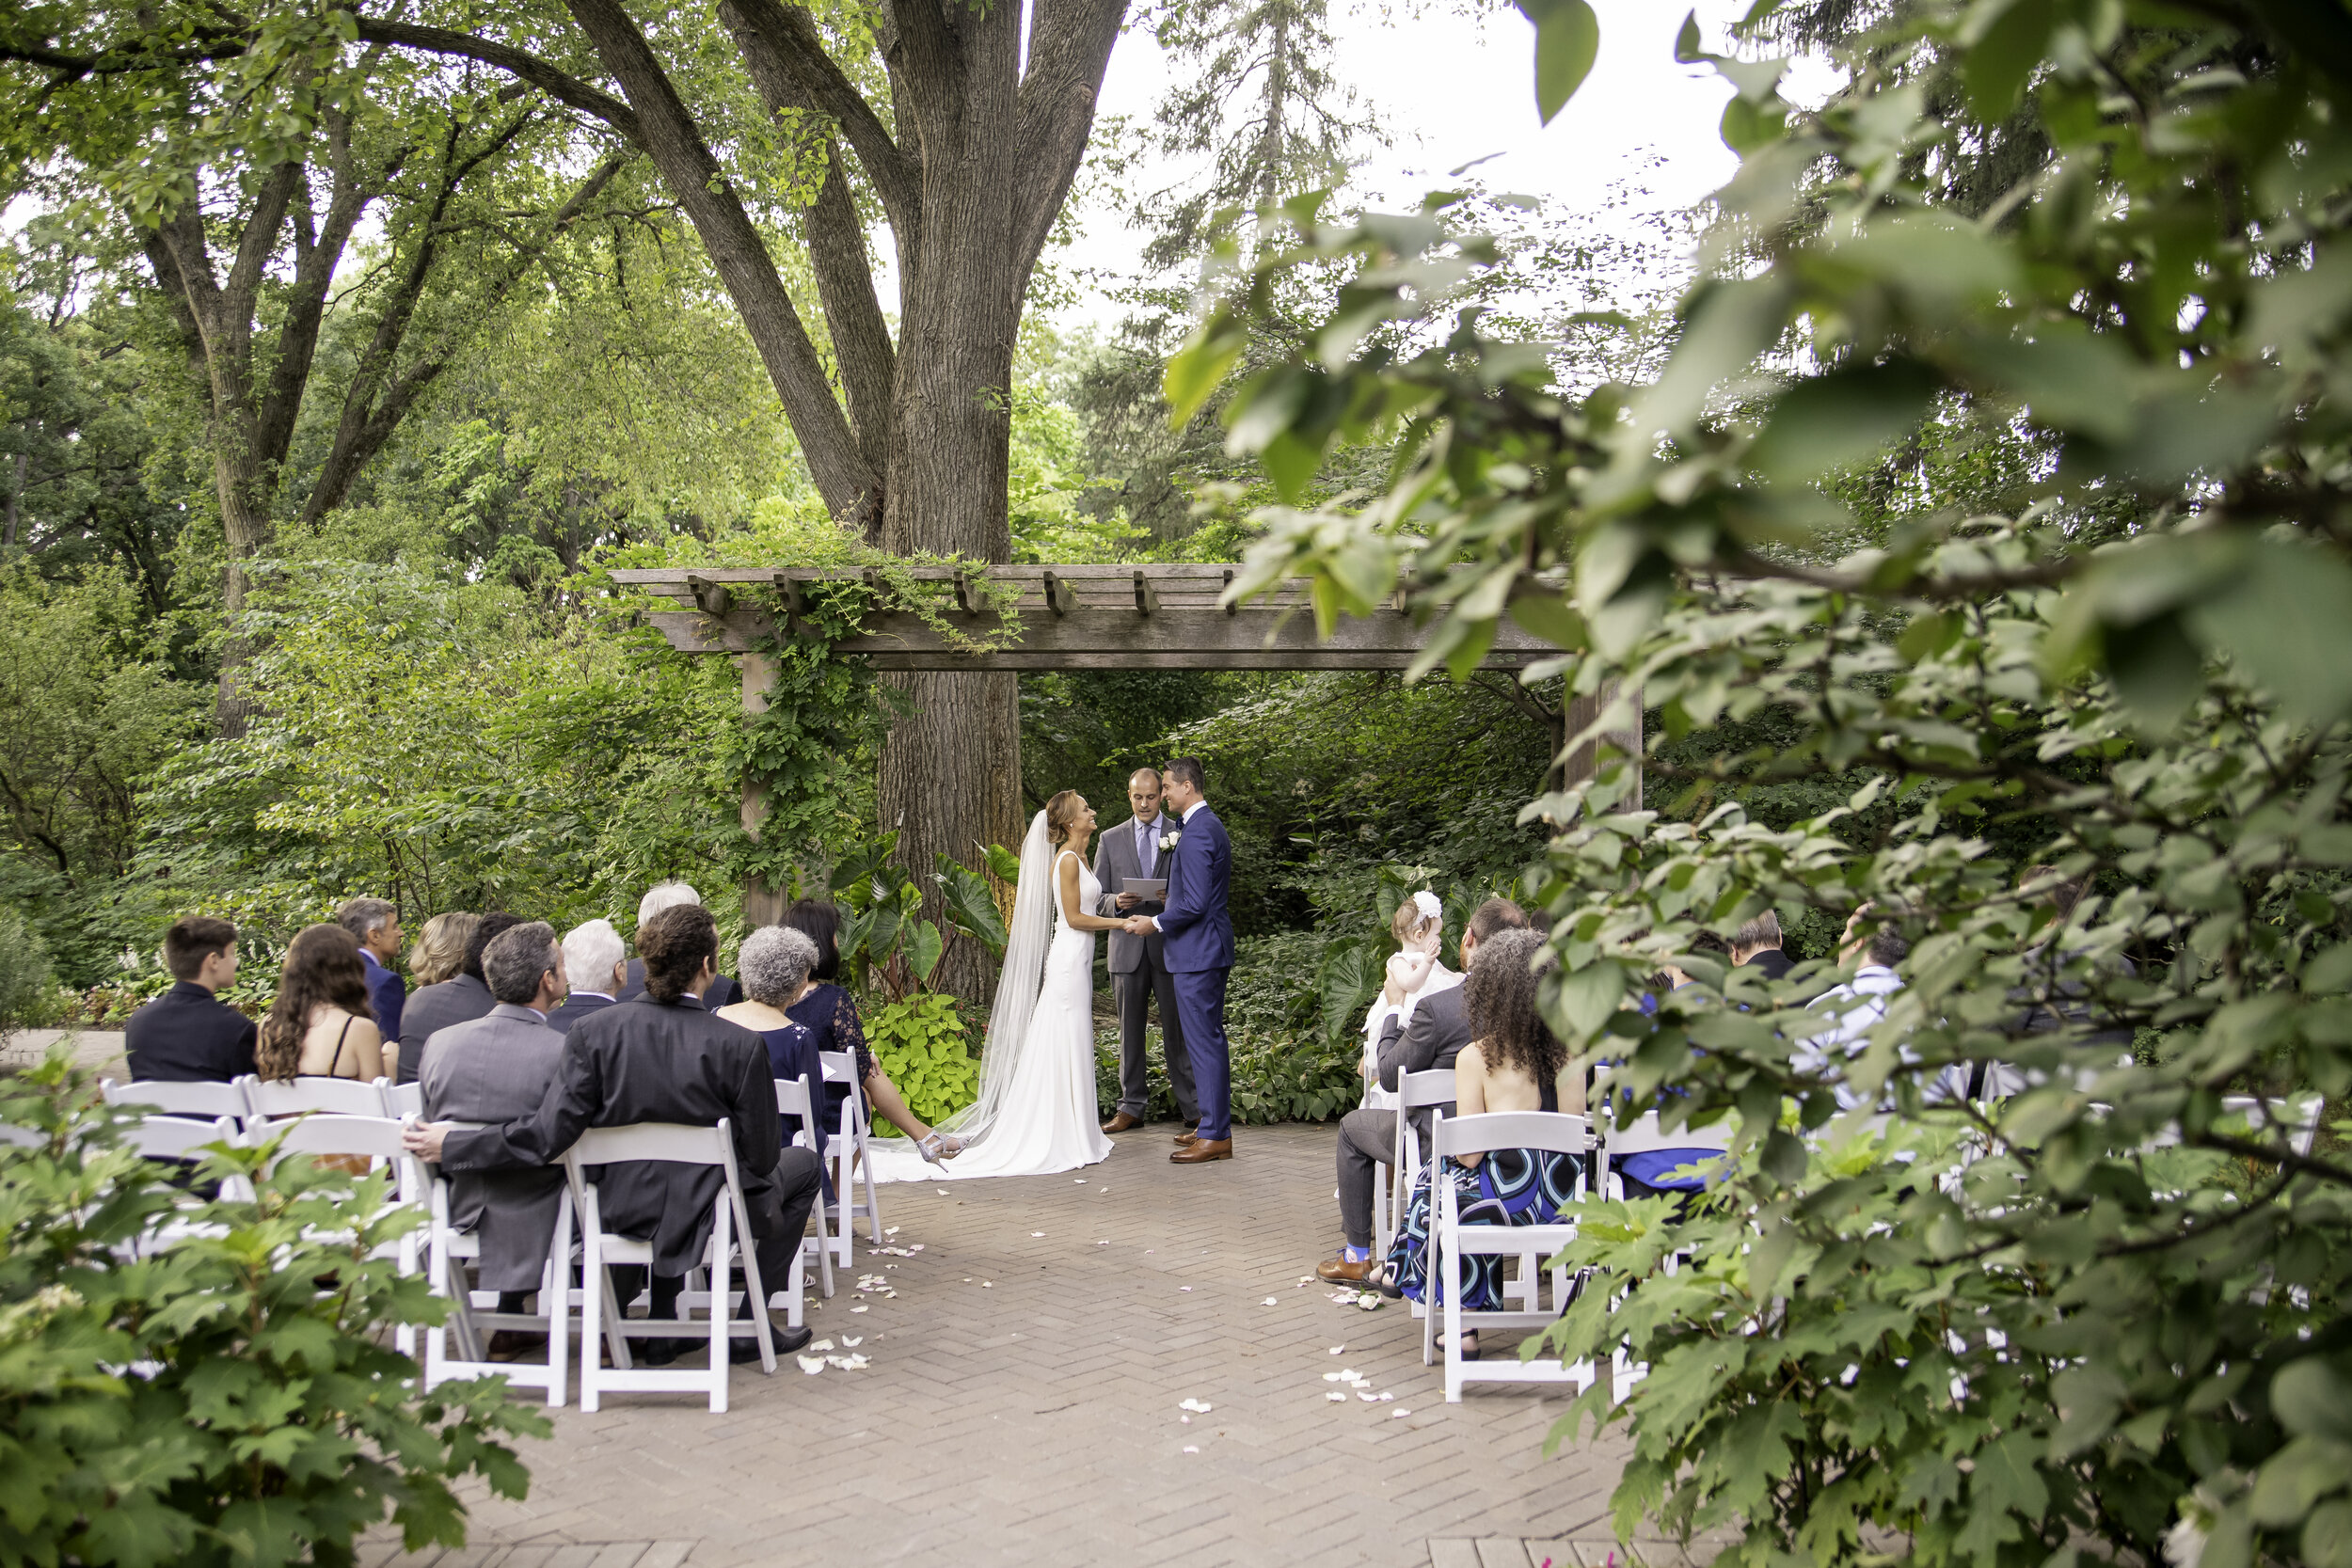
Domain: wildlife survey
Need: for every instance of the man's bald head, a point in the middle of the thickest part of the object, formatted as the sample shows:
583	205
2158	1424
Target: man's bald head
1144	789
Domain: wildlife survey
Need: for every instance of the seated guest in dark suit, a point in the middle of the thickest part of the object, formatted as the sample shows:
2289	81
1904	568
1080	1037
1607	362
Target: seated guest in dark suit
593	960
497	1068
663	1059
1438	1030
1758	943
775	961
669	895
187	1035
375	924
460	999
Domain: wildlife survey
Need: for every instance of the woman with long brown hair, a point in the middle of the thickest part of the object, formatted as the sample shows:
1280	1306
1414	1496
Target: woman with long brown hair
322	1024
1512	1063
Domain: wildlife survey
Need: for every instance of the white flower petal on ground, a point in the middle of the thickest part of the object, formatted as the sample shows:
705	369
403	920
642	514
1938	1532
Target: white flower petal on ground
1339	1349
1198	1407
811	1365
1186	1419
1189	1448
1184	1287
917	1247
890	1230
1269	1301
1370	1304
852	1344
1367	1399
822	1345
1330	1377
1037	1235
1398	1415
988	1284
1336	1396
859	1307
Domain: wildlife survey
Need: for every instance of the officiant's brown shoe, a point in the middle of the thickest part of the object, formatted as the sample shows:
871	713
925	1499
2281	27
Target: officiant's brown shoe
1186	1138
1201	1151
1120	1122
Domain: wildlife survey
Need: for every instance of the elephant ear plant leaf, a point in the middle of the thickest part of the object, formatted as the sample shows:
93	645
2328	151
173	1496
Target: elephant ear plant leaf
230	1396
2042	1258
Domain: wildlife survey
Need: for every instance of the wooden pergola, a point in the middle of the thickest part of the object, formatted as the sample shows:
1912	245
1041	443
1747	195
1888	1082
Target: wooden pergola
1074	617
1071	617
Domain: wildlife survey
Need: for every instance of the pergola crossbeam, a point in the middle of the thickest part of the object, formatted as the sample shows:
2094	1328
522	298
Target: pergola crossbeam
1087	616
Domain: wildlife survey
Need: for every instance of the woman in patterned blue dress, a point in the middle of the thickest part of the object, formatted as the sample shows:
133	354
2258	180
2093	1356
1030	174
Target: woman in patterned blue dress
1512	1063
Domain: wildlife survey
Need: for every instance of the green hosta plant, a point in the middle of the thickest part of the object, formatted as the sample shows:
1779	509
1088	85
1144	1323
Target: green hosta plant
886	941
233	1398
919	1041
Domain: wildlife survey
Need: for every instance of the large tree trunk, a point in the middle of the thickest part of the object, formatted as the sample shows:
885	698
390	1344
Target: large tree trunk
950	782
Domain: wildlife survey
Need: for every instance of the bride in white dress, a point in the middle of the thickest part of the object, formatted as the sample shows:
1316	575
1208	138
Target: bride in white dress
1037	1112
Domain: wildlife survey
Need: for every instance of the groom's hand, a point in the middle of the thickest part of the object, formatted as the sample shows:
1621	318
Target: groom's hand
1140	926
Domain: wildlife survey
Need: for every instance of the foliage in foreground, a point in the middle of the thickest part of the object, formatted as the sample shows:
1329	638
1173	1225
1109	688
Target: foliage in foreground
2104	1315
229	1398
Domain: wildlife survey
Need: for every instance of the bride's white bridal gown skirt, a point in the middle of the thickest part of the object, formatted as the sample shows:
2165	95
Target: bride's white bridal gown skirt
1049	1120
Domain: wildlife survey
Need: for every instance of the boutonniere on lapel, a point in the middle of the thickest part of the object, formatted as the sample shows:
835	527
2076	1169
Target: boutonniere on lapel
1169	841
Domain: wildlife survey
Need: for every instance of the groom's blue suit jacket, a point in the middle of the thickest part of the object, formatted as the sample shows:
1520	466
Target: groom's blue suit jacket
1199	931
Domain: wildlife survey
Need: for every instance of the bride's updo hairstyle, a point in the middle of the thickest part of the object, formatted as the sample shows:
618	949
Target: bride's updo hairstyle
1061	811
1416	916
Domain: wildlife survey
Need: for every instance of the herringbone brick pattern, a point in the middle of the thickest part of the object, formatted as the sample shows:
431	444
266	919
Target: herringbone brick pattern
1022	1406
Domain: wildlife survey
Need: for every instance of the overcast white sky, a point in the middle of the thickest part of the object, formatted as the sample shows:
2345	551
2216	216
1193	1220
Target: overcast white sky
1452	88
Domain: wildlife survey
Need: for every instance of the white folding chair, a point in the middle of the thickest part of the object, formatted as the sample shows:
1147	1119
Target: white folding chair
405	1099
1415	1091
273	1099
797	1097
1553	1132
666	1143
208	1099
1643	1135
182	1138
454	1349
375	1138
850	1156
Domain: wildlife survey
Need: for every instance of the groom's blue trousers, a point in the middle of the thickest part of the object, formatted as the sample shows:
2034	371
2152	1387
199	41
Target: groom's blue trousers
1200	1006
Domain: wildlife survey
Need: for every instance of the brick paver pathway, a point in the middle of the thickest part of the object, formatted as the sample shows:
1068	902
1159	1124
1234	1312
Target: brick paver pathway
1022	1405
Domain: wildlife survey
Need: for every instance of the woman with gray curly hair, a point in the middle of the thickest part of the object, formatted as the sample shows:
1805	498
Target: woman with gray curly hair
773	967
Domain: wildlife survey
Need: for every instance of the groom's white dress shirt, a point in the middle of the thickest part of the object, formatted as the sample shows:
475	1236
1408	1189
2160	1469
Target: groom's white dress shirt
1198	805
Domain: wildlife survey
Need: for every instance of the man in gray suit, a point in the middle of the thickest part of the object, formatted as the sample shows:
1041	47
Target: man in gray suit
497	1068
1138	968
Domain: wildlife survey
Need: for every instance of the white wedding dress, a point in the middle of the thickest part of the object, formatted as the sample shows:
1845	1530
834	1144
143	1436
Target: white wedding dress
1037	1113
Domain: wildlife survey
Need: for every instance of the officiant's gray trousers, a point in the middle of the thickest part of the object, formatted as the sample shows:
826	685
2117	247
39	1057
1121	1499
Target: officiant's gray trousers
1134	991
1367	1139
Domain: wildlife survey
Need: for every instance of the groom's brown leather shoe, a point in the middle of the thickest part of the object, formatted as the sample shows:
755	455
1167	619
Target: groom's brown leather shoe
1120	1122
1201	1151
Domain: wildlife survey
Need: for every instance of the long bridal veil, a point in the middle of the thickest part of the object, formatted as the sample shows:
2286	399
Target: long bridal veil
1018	984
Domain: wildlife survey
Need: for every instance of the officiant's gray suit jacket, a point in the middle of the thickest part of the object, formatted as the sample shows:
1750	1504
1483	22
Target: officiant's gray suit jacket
1114	859
497	1069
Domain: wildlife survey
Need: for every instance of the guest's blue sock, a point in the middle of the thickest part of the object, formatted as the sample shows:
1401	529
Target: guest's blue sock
1356	1254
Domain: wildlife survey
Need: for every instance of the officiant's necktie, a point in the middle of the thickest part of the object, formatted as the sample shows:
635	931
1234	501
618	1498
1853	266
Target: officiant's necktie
1146	853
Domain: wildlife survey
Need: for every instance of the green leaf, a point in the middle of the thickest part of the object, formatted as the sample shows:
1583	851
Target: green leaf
1832	420
2004	54
1199	368
1567	38
2285	619
1549	617
924	946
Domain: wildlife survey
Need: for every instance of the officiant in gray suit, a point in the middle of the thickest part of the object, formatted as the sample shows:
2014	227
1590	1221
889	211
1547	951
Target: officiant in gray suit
1128	850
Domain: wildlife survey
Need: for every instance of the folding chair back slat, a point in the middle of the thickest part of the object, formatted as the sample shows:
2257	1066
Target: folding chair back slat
374	1136
339	1096
1415	1091
1552	1131
207	1099
405	1099
2297	1117
168	1137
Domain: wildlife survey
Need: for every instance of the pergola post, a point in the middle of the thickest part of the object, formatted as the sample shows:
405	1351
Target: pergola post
762	904
1583	763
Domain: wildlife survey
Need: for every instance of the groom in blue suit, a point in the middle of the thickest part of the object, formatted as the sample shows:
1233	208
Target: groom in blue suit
1199	947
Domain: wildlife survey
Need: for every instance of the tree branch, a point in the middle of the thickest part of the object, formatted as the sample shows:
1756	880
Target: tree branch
556	84
789	39
1070	48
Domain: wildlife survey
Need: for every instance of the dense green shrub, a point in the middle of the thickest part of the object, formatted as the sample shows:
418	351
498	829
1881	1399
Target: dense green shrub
2102	1316
1276	1077
231	1399
28	986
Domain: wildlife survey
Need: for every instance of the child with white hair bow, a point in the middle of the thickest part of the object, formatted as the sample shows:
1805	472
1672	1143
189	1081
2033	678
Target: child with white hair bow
1414	973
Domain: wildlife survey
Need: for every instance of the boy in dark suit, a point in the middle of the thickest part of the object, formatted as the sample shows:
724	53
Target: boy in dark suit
187	1035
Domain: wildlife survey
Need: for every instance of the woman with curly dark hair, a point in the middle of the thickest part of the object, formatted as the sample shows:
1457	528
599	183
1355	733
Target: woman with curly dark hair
321	1025
1512	1063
